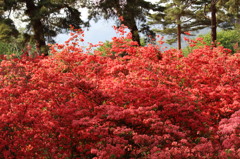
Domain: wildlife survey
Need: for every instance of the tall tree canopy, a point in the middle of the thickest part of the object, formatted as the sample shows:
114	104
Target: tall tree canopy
211	12
7	28
192	15
233	10
46	18
134	13
217	13
177	18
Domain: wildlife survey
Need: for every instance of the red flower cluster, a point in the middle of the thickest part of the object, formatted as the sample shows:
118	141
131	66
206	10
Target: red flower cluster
134	102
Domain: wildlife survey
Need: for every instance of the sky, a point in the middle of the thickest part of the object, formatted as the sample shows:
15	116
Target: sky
99	31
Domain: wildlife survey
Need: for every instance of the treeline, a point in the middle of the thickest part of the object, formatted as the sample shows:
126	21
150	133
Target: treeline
47	18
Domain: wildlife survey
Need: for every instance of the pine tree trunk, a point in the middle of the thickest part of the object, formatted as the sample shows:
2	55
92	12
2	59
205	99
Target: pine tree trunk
213	22
37	26
179	30
135	34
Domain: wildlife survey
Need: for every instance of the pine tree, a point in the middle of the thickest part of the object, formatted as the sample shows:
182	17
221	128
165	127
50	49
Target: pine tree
7	27
191	15
232	7
219	13
177	18
210	6
133	12
45	18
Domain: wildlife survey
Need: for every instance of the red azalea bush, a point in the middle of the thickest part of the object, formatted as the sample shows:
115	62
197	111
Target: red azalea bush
133	102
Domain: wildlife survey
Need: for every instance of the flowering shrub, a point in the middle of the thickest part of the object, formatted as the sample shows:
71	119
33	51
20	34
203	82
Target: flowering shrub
229	130
133	102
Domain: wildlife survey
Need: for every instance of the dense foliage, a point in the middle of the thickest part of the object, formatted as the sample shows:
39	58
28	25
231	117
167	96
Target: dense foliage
133	102
227	38
46	19
134	14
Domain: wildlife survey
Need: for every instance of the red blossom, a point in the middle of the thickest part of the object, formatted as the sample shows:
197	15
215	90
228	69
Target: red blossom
187	33
131	102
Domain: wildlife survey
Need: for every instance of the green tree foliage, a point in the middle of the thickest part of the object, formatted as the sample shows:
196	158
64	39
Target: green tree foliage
188	15
233	10
218	13
177	18
46	18
211	12
7	27
7	30
8	33
133	12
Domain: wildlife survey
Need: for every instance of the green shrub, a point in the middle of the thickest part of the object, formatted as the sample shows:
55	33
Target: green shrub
226	38
9	49
106	47
229	39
